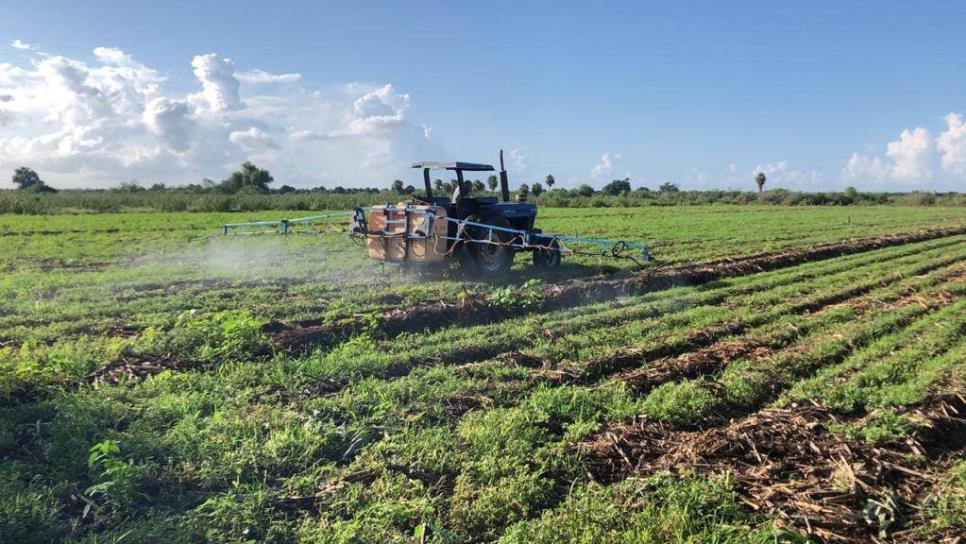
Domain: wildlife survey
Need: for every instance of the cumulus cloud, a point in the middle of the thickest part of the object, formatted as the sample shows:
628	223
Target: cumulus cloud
377	110
170	120
22	45
375	113
518	160
113	55
911	155
863	167
952	145
916	158
605	166
61	108
782	172
261	76
219	87
253	139
97	121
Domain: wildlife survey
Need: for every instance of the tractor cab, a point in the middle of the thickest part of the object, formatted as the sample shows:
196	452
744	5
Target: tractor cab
462	204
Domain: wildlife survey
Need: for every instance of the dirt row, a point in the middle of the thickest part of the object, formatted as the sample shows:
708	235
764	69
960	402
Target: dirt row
715	357
698	273
703	351
700	351
788	465
472	311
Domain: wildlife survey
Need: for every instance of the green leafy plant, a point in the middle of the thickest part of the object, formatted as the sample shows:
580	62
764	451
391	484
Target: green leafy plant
224	335
528	296
118	480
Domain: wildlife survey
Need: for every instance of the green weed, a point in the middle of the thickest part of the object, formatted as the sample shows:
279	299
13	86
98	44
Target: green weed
526	297
682	402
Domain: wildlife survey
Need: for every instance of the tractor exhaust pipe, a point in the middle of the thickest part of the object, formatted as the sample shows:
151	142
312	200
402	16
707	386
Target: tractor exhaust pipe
504	183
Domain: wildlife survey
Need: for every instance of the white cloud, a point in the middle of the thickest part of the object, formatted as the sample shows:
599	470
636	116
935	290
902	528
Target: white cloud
113	55
22	45
377	110
219	88
261	76
95	123
518	160
698	177
912	159
952	145
863	167
781	172
911	155
171	120
375	113
605	166
253	139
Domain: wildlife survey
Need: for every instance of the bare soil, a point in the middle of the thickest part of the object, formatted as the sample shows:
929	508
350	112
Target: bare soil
787	464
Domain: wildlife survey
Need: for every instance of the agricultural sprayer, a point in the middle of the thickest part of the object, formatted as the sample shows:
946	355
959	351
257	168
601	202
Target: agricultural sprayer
482	233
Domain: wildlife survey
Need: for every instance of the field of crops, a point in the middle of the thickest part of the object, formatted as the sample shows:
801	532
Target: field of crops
779	375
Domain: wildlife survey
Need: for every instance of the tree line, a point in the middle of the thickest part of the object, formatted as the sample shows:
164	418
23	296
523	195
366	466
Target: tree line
250	189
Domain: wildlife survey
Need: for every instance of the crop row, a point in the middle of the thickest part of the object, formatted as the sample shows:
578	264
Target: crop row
515	441
401	463
615	323
452	432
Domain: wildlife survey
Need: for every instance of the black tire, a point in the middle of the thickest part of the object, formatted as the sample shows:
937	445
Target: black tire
491	260
547	258
462	252
465	259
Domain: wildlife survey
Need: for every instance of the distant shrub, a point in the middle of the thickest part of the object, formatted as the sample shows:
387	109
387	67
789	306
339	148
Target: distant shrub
199	199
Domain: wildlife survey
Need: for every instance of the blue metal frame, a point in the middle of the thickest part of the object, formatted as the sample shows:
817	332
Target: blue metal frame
529	240
283	223
522	239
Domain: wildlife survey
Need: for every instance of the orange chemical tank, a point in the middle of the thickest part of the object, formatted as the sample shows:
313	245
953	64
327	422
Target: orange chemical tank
407	233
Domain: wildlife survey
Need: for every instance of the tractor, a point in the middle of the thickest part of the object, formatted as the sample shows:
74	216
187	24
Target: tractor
482	233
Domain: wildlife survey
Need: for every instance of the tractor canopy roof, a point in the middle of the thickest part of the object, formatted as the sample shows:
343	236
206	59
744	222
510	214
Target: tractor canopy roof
466	166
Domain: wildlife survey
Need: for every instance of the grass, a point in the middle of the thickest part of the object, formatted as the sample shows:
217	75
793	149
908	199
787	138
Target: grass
454	433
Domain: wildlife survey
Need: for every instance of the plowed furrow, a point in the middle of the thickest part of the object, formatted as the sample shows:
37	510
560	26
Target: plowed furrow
715	357
475	311
626	358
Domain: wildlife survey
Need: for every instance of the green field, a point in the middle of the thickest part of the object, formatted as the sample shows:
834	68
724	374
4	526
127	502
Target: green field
778	374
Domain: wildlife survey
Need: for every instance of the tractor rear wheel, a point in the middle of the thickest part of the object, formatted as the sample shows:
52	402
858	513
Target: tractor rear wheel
494	257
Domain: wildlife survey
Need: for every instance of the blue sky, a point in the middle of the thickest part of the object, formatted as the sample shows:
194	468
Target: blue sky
818	95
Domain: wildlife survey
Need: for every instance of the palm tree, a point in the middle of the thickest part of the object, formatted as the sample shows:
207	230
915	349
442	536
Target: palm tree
491	182
760	180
